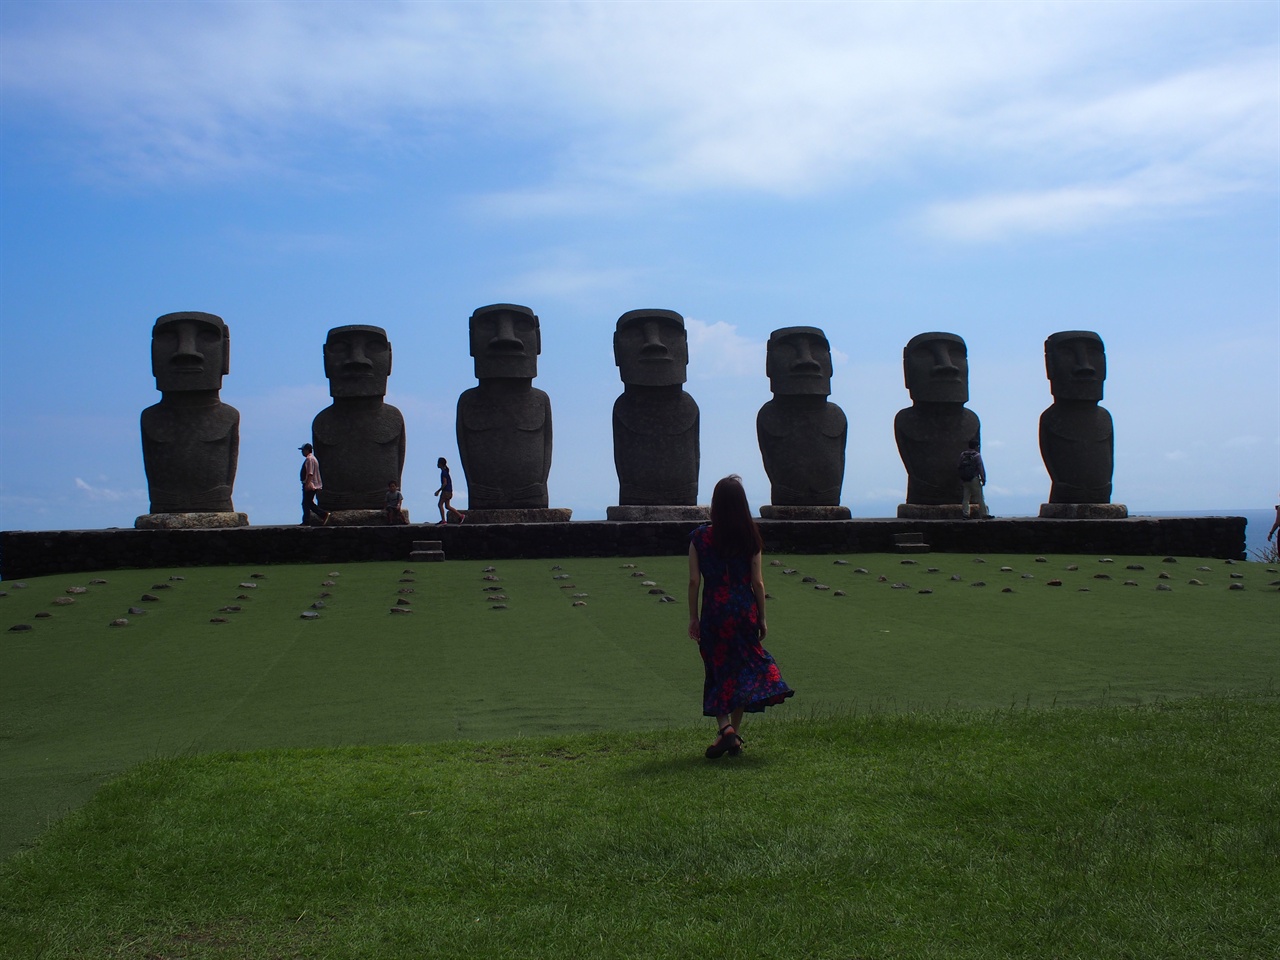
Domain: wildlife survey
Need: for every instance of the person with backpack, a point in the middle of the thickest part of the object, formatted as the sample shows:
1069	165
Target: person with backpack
973	476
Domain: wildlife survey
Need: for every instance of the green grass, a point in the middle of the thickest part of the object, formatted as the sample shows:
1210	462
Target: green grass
81	701
1105	833
551	799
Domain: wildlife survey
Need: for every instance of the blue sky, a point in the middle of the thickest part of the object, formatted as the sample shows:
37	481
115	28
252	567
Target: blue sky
1001	171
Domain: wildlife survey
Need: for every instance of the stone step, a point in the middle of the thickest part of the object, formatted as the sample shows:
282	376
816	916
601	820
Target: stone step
427	556
912	548
428	544
901	538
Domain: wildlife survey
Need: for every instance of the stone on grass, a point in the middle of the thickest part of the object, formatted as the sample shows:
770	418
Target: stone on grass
1073	566
1054	583
808	579
1102	576
579	603
97	583
839	593
1130	583
908	563
1007	590
20	627
925	590
978	583
901	586
43	615
64	601
1042	560
229	609
1135	566
219	620
401	602
1195	583
840	563
249	585
77	590
1169	560
821	586
119	622
1163	586
401	610
310	615
861	570
498	606
1235	586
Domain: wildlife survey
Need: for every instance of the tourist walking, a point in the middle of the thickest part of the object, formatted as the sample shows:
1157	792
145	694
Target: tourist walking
445	493
740	675
973	477
311	485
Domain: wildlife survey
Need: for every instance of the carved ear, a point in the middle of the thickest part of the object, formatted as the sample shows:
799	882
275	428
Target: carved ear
226	350
388	358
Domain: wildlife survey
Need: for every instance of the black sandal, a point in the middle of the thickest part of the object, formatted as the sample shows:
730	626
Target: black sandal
727	742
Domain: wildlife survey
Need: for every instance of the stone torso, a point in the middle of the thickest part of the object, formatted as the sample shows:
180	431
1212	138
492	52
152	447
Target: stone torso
931	437
802	442
655	446
360	444
1077	444
189	452
504	438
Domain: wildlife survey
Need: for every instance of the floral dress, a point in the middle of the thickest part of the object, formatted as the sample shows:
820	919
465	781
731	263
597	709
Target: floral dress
740	673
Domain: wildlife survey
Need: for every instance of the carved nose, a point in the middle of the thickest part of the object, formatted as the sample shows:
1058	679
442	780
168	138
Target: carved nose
655	351
501	344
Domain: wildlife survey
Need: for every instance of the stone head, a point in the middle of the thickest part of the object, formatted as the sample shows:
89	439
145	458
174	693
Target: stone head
505	341
357	361
1076	363
936	368
190	351
651	348
798	361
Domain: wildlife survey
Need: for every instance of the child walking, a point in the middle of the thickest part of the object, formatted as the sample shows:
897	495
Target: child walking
445	493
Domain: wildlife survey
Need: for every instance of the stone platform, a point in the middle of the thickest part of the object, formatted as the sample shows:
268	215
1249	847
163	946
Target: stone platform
34	553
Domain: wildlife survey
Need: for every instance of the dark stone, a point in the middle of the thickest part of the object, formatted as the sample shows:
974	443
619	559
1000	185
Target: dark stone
655	423
1077	440
190	439
504	423
801	434
359	439
937	427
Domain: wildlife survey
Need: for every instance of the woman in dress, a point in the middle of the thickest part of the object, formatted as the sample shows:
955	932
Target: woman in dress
741	677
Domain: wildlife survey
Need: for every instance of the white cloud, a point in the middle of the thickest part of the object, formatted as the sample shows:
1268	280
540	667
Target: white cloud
718	351
1098	112
106	494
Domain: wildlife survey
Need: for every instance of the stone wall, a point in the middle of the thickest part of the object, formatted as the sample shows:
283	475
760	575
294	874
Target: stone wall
34	553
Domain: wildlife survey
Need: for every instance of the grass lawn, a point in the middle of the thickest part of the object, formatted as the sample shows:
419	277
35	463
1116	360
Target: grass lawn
904	800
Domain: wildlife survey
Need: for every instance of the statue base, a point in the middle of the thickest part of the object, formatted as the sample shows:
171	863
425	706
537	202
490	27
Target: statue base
778	511
520	515
358	518
931	511
1084	511
688	514
189	521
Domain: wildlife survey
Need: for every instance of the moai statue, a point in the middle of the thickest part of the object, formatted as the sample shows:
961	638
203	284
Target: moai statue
190	439
1077	442
801	434
655	423
359	438
504	423
937	427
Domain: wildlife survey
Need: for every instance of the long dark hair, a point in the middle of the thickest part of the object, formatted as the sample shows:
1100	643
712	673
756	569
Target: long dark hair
733	531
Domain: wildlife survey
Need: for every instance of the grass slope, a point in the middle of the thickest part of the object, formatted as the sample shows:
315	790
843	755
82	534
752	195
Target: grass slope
81	701
1113	832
